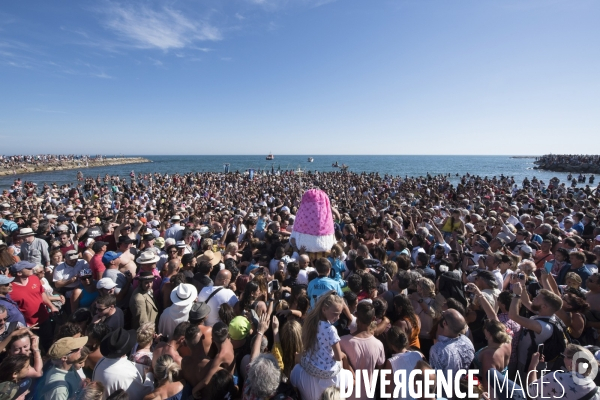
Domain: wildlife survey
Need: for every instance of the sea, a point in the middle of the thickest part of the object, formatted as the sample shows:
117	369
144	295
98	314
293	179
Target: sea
400	165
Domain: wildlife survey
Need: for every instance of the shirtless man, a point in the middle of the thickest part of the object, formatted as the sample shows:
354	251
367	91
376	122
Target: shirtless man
128	255
197	316
593	299
194	367
130	228
172	346
224	357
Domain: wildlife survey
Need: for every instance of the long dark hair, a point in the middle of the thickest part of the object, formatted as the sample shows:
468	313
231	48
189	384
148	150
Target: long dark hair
403	309
12	364
245	302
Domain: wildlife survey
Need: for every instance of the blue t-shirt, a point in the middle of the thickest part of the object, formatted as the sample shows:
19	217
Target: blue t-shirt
321	285
337	270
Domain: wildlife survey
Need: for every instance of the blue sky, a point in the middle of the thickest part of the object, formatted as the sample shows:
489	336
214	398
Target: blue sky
300	77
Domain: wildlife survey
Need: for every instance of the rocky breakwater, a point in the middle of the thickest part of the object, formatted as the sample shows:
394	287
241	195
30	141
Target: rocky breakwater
75	164
568	167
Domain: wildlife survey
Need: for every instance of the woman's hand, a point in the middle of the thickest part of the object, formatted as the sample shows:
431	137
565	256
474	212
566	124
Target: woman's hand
35	342
263	323
275	325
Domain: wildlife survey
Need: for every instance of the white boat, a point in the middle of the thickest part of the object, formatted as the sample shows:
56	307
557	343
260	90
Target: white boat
310	159
270	156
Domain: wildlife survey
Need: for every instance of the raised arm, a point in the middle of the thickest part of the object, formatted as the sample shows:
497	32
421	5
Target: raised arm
485	305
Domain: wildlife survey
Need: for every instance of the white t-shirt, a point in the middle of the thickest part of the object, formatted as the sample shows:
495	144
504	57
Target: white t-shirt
540	338
65	272
322	356
303	275
223	296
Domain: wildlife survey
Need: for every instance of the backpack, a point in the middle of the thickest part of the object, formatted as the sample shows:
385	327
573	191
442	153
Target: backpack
555	345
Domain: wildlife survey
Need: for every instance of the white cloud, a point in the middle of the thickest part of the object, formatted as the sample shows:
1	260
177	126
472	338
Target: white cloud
164	29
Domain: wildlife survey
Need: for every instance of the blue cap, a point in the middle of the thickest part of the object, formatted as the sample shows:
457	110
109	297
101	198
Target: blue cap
109	256
21	265
5	279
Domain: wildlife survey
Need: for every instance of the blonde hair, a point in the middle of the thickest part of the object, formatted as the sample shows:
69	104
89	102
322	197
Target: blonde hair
231	246
426	284
145	334
498	331
311	323
331	393
207	244
166	369
291	343
573	276
336	251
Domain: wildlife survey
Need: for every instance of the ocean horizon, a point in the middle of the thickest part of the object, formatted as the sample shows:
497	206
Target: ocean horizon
516	166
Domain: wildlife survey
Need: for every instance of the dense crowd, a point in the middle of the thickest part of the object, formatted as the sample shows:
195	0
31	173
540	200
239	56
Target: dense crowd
43	160
175	287
568	159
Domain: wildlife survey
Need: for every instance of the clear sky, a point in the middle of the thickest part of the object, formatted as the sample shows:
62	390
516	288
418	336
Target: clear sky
300	77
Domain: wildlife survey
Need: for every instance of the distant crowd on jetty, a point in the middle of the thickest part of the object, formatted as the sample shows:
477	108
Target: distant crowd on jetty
569	163
23	161
194	286
22	164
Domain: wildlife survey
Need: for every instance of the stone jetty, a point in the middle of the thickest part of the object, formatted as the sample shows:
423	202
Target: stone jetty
71	164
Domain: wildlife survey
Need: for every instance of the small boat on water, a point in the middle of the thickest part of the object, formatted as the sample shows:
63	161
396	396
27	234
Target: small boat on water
310	159
344	167
270	156
335	165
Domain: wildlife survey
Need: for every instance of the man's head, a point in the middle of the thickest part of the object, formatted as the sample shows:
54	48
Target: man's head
71	258
146	279
223	278
66	351
577	259
546	303
110	259
485	280
365	313
22	269
3	317
5	285
303	261
105	305
323	266
220	333
452	324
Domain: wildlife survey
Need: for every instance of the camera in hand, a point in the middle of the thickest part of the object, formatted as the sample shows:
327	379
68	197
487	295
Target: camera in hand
376	269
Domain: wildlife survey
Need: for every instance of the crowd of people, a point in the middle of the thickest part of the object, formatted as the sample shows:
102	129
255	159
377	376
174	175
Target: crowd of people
175	287
13	162
568	159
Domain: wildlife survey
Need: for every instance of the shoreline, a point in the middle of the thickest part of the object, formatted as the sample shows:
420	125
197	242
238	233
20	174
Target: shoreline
69	165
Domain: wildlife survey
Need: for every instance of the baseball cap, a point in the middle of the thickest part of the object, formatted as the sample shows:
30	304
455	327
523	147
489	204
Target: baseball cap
239	328
65	346
5	280
21	265
97	246
109	256
598	238
105	283
482	243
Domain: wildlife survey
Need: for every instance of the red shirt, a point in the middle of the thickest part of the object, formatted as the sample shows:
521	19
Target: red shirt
30	302
110	239
97	266
64	250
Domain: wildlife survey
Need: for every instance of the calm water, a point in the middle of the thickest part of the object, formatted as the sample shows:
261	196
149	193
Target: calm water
395	165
